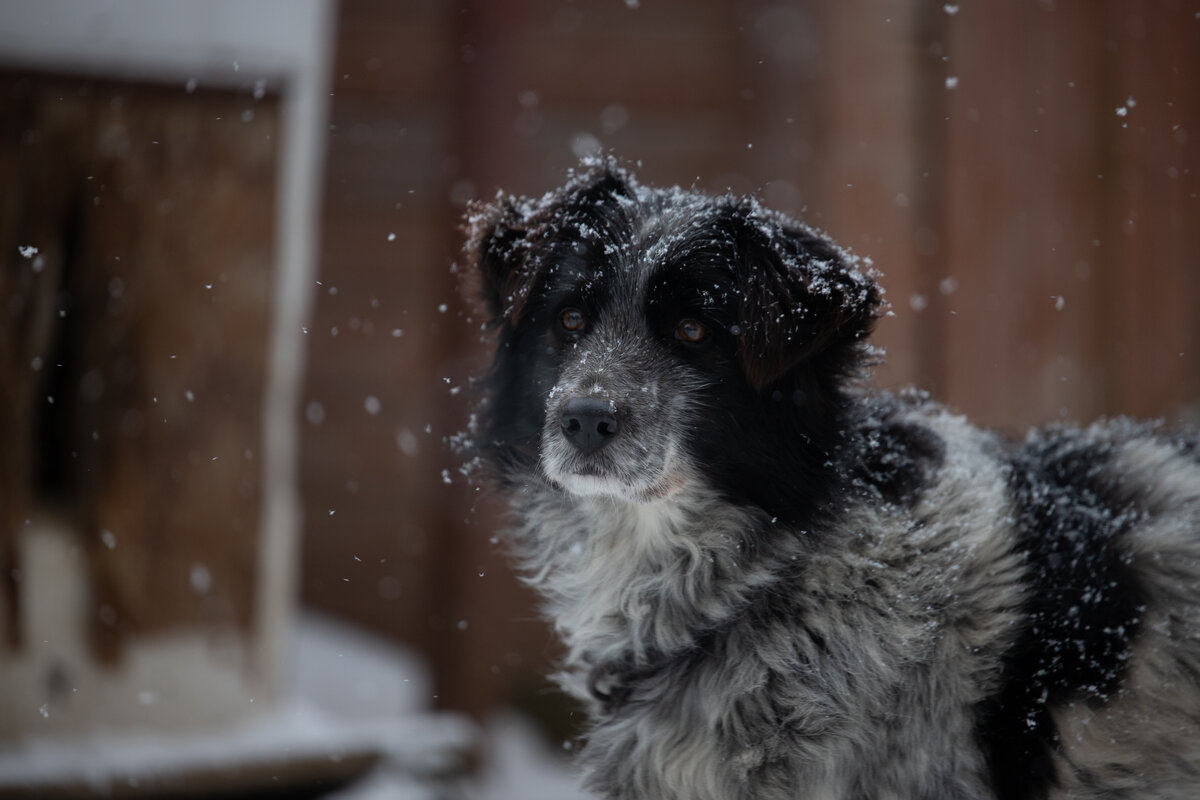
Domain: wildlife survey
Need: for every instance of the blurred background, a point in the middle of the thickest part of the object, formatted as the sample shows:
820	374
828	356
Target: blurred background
234	346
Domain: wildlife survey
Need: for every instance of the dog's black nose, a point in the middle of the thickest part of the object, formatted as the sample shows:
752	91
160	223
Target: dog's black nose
589	424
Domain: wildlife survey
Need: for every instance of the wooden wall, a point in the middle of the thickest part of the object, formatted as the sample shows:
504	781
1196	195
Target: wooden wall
1038	243
1073	226
137	229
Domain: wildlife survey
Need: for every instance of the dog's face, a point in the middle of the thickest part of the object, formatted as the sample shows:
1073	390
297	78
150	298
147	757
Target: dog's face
652	340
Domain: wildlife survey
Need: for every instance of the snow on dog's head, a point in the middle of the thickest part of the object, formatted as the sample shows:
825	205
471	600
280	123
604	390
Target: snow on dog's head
646	337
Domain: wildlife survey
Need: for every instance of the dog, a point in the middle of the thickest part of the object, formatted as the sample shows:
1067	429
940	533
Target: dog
773	581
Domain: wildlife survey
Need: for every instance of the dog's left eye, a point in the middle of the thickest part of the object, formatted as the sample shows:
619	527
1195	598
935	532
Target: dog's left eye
572	320
691	331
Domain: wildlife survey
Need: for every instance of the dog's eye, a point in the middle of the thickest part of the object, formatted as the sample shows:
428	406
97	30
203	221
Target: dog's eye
572	320
691	331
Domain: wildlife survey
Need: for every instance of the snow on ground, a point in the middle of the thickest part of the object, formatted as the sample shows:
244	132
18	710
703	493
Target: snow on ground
517	761
351	693
349	673
518	764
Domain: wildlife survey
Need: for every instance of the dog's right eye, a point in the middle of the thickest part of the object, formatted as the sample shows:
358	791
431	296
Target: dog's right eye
691	331
572	320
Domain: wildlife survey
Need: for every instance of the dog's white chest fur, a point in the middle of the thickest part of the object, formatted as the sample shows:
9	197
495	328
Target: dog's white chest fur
619	578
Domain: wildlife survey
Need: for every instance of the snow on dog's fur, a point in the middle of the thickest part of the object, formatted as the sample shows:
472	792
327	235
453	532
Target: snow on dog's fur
775	582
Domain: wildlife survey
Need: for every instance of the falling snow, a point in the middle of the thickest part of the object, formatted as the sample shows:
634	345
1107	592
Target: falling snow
200	578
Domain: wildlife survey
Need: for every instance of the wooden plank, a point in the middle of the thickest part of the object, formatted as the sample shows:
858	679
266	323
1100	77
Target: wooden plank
870	187
149	403
392	52
1153	216
1023	212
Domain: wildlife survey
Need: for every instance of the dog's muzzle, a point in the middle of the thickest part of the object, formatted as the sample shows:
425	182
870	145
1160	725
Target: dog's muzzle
589	424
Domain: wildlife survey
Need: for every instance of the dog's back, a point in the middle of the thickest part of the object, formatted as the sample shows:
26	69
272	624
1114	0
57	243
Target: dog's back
773	582
1110	519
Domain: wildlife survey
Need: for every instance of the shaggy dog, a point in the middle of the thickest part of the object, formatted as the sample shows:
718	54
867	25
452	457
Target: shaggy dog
775	582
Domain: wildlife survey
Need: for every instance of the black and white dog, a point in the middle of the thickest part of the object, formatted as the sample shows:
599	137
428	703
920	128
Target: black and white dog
774	582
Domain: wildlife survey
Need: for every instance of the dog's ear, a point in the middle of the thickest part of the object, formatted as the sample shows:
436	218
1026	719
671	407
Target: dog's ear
802	298
495	255
503	234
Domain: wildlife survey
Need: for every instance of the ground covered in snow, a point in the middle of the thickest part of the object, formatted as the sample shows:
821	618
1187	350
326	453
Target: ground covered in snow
357	706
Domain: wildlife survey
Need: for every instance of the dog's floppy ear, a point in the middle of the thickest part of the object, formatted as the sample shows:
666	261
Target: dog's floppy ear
802	297
495	254
500	233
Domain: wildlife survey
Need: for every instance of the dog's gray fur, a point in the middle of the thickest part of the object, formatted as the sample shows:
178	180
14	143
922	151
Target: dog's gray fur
724	654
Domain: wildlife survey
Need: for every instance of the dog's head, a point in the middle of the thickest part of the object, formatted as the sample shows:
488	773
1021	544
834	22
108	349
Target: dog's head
650	339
